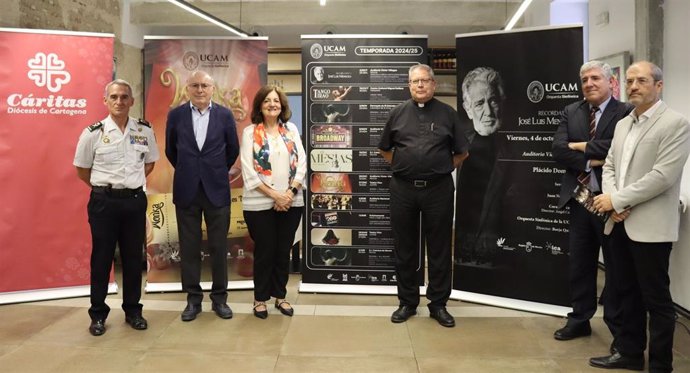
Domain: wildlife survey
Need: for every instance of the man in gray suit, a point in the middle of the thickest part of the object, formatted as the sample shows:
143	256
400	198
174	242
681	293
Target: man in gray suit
641	185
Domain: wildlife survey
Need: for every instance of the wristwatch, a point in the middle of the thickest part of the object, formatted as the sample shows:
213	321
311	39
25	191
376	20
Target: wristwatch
293	190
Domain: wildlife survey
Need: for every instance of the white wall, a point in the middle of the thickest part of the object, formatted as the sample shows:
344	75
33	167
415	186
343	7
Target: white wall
131	34
565	12
616	36
538	14
677	96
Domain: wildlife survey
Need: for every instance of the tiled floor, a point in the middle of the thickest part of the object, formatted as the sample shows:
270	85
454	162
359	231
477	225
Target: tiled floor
329	333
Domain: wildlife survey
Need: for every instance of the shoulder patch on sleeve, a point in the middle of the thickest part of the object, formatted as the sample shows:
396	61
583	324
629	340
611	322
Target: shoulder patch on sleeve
143	123
96	126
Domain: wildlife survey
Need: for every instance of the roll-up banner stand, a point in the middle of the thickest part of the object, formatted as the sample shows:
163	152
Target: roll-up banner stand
51	85
511	240
239	68
350	84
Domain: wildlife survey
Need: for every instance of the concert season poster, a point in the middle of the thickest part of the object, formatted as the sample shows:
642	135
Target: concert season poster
350	84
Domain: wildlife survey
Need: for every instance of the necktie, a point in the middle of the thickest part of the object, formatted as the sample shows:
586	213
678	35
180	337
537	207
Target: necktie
584	177
593	121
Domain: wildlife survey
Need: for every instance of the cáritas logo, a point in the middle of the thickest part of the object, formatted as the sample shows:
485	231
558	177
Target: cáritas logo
47	70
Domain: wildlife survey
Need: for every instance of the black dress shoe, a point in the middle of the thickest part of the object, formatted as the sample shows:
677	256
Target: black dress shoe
190	312
136	322
568	332
97	327
260	314
222	310
618	361
403	313
443	317
284	310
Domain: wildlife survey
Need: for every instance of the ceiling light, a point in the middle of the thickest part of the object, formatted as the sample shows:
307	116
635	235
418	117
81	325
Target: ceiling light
322	2
518	14
216	21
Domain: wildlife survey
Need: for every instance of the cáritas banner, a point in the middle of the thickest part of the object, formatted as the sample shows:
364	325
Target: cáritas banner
51	88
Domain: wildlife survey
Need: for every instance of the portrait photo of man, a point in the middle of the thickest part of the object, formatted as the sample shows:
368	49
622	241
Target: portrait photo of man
479	183
318	75
482	98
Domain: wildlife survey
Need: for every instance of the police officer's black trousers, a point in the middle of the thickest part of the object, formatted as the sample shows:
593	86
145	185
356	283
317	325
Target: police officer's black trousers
435	202
122	221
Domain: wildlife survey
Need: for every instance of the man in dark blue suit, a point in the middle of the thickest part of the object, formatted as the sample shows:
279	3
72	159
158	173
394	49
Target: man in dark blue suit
201	144
581	144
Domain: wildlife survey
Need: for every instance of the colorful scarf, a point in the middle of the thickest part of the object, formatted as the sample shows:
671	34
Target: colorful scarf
262	152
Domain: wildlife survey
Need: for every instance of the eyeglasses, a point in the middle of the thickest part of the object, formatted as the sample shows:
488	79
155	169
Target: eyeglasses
639	81
423	81
203	86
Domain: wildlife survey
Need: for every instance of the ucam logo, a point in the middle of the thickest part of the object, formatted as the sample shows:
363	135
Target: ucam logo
334	48
561	87
48	71
535	91
190	60
316	51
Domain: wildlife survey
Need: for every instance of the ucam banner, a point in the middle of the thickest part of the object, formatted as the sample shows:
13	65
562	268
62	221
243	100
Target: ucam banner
511	239
51	88
350	83
239	68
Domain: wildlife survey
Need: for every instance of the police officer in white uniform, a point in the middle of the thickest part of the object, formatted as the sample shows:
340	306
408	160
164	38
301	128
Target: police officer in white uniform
113	157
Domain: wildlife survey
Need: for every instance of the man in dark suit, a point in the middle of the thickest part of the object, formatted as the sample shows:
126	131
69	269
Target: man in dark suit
641	185
201	144
580	145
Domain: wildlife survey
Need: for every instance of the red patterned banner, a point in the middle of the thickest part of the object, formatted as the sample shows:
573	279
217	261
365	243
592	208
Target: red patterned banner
238	66
51	88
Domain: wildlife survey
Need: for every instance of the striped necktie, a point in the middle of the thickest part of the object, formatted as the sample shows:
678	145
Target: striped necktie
584	177
593	122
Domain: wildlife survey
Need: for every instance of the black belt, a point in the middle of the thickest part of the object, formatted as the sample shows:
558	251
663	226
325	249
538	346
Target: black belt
423	183
116	193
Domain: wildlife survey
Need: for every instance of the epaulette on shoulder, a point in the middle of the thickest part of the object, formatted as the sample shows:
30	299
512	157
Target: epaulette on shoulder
143	123
96	126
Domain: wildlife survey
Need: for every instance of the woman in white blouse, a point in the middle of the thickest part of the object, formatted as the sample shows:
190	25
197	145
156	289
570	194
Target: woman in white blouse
273	168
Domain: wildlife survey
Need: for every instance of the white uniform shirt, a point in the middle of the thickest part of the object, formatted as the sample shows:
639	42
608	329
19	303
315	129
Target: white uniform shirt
117	158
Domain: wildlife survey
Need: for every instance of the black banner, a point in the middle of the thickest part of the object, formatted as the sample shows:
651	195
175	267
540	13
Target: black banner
511	238
350	85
